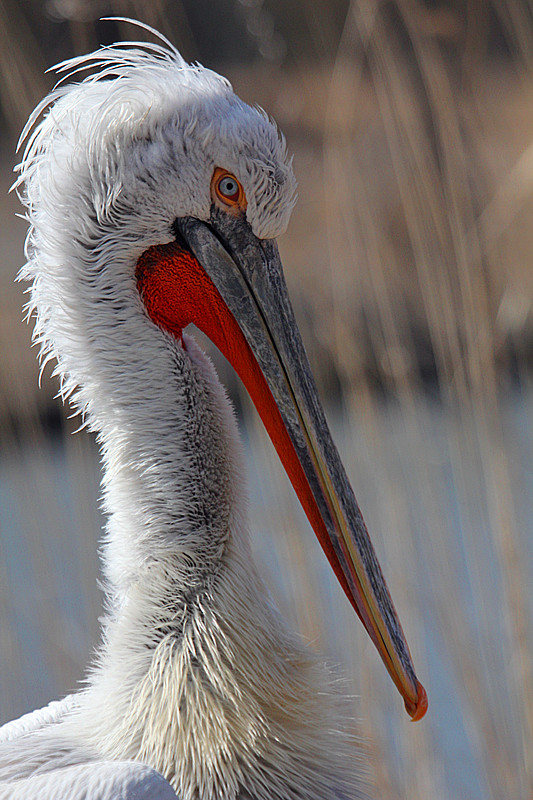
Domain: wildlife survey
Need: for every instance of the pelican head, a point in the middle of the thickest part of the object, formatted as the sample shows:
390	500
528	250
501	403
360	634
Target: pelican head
155	197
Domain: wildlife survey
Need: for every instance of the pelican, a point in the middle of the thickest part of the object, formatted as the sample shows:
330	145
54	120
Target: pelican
154	197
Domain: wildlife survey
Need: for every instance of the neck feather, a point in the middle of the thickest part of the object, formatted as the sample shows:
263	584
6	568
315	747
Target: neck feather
216	692
198	675
172	469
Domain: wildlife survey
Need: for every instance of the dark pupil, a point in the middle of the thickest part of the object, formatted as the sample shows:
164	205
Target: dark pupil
228	187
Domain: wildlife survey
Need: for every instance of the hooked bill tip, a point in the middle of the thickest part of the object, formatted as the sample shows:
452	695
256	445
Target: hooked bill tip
417	710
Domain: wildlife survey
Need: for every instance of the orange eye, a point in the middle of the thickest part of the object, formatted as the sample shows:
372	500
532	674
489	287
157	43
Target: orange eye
226	188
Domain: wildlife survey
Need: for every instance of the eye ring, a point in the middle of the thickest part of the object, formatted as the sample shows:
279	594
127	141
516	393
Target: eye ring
227	190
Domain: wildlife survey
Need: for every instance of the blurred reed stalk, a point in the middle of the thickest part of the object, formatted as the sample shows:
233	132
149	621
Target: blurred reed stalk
434	143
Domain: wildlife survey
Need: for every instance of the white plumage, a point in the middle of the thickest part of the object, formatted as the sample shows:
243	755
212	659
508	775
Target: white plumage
198	690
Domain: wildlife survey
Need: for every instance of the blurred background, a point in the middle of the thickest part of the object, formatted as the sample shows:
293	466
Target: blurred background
409	262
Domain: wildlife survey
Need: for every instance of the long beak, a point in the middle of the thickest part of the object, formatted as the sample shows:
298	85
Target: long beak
255	328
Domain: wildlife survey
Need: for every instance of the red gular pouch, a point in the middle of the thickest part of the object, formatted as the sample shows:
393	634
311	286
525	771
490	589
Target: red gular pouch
177	291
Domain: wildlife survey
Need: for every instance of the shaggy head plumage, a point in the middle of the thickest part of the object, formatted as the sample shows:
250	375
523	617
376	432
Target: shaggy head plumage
111	162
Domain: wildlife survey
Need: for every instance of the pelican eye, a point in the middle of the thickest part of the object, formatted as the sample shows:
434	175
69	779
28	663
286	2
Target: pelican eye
229	187
226	188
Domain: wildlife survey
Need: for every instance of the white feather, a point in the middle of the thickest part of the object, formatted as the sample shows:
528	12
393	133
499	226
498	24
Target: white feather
197	677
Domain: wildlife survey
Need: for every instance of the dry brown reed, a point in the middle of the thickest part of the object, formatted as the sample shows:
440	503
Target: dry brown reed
430	123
